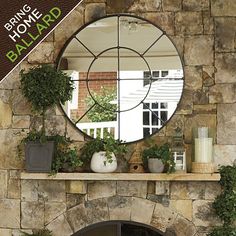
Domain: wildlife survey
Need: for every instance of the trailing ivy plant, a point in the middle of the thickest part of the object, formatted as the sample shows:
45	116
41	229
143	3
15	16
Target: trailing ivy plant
40	232
225	204
103	110
44	87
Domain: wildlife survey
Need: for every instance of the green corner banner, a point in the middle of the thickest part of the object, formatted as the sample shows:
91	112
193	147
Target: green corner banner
24	24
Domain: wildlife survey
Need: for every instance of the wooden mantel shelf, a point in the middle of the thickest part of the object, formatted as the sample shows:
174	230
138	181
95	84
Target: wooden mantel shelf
122	176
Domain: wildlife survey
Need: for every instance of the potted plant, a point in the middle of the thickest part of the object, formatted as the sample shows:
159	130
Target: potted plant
157	158
101	153
44	87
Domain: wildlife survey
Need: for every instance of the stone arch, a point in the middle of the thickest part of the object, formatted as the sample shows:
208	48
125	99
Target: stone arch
135	209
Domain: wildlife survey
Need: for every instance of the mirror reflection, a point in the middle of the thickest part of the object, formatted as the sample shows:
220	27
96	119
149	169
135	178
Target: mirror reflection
128	78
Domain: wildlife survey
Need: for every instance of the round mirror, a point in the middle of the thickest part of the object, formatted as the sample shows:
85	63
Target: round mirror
128	78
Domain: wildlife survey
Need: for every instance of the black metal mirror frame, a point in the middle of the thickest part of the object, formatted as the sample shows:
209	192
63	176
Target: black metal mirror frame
118	47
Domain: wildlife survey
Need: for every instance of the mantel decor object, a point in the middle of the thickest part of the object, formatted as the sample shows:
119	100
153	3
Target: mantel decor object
178	151
203	149
135	162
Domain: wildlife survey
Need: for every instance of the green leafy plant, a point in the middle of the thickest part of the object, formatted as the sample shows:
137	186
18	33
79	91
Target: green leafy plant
103	110
224	204
41	232
162	153
44	87
107	144
65	157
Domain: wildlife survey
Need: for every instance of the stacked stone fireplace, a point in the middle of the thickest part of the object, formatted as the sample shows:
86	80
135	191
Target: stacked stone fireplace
203	32
65	207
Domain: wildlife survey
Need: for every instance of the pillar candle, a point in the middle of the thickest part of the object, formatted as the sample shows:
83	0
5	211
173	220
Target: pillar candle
203	150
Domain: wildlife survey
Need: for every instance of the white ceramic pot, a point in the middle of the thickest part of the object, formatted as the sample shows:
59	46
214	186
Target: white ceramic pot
155	165
100	164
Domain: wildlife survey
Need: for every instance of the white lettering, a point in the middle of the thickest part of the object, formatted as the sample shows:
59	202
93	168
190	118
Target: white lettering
14	35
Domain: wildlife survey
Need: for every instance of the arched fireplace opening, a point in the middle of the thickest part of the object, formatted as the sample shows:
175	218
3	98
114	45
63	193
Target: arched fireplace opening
118	228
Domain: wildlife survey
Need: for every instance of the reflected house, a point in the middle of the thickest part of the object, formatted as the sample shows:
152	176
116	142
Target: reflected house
146	104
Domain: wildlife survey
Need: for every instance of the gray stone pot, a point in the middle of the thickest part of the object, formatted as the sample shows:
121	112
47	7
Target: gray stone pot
38	156
155	165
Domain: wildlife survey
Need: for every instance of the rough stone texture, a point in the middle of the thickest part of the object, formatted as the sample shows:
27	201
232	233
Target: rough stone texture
225	66
17	232
76	187
188	23
196	190
204	109
11	81
77	221
13	188
176	121
29	190
52	190
5	232
94	11
10	213
22	122
119	208
32	215
179	190
186	103
171	5
162	188
203	214
200	97
222	93
178	41
132	188
20	105
101	189
6	115
193	77
142	210
225	37
223	7
74	200
224	155
73	133
199	120
145	6
55	125
63	32
164	20
208	76
118	6
53	210
208	23
226	129
3	183
43	53
213	189
183	207
183	227
199	50
163	217
60	226
192	5
97	211
9	139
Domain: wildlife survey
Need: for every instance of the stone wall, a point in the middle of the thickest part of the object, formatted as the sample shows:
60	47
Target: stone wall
204	33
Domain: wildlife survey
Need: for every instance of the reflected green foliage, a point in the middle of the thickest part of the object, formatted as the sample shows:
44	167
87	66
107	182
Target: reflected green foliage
104	110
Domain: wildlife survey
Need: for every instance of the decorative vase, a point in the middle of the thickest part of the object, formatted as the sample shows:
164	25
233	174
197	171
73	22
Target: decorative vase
100	164
155	165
